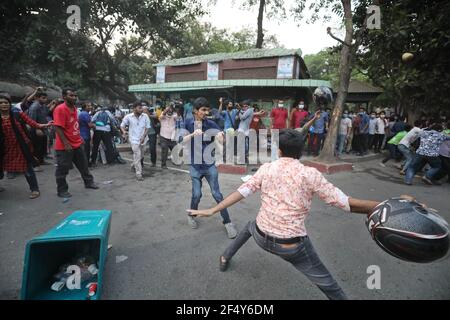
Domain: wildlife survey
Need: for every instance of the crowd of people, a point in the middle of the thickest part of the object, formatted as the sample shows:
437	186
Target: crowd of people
101	128
279	227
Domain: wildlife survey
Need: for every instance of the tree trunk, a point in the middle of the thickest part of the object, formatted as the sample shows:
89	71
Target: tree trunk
260	39
345	66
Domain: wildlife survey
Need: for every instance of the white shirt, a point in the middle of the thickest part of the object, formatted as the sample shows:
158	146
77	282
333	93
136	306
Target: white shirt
380	128
345	124
410	137
372	125
136	127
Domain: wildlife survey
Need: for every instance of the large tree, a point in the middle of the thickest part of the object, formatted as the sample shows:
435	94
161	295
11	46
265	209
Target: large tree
349	47
422	29
95	55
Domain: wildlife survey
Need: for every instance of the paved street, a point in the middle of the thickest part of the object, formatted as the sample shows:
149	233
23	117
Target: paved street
168	260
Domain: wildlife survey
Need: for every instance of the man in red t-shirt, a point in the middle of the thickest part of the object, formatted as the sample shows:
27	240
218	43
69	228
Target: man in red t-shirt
298	115
69	144
279	116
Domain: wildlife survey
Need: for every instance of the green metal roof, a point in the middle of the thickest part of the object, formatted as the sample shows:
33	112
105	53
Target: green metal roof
225	84
248	54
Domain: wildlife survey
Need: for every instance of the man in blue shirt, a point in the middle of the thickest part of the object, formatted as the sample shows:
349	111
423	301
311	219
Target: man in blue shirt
85	121
200	134
318	132
229	115
364	131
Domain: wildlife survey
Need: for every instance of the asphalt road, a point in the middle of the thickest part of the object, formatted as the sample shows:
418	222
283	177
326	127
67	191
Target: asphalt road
168	260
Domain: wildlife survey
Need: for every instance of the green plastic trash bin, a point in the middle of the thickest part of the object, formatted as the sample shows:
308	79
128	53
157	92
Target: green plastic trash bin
84	233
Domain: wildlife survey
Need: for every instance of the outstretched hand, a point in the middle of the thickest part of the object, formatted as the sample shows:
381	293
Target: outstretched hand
201	213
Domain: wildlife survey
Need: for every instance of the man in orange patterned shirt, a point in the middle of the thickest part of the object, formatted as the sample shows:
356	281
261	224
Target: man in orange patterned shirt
287	188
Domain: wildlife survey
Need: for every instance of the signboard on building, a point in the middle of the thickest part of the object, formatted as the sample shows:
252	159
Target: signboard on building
213	71
285	67
160	74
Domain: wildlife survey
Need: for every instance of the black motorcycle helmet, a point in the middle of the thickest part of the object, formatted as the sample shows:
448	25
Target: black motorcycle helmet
407	230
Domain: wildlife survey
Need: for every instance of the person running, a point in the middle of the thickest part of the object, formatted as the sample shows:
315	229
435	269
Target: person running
428	152
167	135
198	134
392	146
287	188
405	145
69	145
138	124
16	151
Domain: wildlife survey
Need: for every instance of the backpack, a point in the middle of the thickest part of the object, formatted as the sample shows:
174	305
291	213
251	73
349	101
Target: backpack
104	117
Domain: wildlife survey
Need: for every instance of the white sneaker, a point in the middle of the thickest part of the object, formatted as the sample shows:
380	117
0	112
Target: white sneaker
192	223
231	230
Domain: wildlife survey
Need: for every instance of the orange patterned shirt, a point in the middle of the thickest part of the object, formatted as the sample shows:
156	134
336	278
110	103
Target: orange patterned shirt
287	188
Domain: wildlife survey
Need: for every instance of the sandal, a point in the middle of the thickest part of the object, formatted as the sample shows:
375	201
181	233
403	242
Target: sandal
35	194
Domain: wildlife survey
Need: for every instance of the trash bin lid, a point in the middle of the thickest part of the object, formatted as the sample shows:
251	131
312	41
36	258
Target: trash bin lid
80	224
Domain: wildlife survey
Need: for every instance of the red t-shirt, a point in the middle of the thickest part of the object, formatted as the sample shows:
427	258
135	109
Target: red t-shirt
298	116
279	116
67	119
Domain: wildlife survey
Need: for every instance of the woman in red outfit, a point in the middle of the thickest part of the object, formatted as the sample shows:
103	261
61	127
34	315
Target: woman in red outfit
15	147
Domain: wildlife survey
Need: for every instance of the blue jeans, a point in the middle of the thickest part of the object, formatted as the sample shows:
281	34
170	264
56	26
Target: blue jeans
212	176
418	162
407	153
341	143
302	256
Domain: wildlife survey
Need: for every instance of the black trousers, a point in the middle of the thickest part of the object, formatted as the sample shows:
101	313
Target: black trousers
64	160
39	146
87	148
152	146
106	138
166	144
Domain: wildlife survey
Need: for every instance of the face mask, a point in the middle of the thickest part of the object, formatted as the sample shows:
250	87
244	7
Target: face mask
302	106
280	105
345	116
373	116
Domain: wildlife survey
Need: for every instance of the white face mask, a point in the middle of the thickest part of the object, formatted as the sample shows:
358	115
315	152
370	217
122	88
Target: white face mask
302	106
280	105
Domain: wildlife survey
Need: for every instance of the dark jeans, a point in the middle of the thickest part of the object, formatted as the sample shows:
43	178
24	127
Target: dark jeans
364	143
371	142
39	146
31	179
64	160
212	176
87	148
107	142
393	153
152	147
301	255
166	144
418	162
445	169
379	138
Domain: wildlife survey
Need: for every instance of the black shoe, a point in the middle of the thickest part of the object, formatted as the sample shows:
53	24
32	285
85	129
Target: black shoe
65	194
223	265
120	160
92	186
